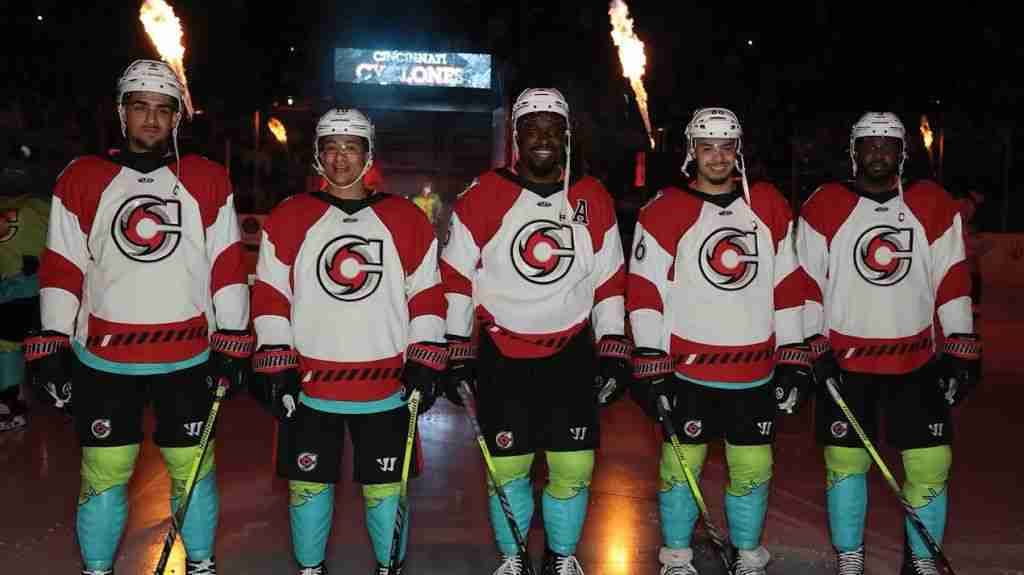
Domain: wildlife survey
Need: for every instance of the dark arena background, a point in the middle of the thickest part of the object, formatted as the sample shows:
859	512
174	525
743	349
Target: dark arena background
438	79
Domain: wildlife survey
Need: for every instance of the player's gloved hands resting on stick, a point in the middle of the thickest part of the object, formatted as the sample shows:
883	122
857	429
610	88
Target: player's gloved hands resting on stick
959	366
461	368
424	365
614	370
653	374
824	364
793	376
230	350
48	357
276	383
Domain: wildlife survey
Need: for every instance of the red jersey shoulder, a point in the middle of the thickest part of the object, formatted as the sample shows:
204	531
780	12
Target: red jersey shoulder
828	207
933	206
771	206
401	211
669	215
86	171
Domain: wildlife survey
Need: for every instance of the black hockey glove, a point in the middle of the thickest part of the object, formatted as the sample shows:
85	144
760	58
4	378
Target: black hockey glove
652	373
230	350
959	366
615	373
793	376
461	368
824	366
48	359
424	365
276	383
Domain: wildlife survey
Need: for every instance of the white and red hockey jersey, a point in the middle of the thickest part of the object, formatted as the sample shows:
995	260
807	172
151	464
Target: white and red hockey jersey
349	284
140	266
533	265
715	283
880	270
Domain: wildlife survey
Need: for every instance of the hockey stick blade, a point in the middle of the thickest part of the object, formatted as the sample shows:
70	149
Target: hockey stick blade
178	517
402	512
912	516
499	491
721	543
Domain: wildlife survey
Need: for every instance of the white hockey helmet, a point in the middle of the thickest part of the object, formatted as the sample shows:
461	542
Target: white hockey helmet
534	100
878	124
718	123
149	76
343	121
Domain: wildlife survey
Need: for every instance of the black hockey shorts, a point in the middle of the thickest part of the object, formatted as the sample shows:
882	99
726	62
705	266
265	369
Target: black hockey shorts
741	416
108	406
526	405
310	446
916	414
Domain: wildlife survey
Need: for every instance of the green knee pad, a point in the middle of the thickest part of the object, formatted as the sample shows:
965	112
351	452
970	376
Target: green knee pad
510	468
179	465
670	472
569	472
750	466
381	510
106	467
842	462
927	470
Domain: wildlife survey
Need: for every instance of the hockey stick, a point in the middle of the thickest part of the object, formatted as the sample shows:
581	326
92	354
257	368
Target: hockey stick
178	517
506	507
402	513
912	515
721	543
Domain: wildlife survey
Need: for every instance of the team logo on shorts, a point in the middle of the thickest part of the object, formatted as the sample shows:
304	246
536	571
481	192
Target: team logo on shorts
728	258
543	251
9	219
883	254
147	228
350	268
307	461
100	428
839	429
503	440
693	428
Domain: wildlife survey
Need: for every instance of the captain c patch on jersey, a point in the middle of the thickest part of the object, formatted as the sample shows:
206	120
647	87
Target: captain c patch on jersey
350	268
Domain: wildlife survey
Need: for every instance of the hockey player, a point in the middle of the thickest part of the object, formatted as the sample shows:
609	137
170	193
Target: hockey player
715	300
144	299
883	262
349	318
23	220
537	252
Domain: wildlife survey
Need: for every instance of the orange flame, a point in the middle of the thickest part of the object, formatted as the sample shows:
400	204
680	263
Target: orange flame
277	128
164	30
631	55
926	133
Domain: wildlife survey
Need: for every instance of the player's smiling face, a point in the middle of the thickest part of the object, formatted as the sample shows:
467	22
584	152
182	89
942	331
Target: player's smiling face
541	141
343	157
715	159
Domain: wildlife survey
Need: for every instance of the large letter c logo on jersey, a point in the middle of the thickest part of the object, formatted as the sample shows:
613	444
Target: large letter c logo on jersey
147	228
728	258
883	254
543	251
350	268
